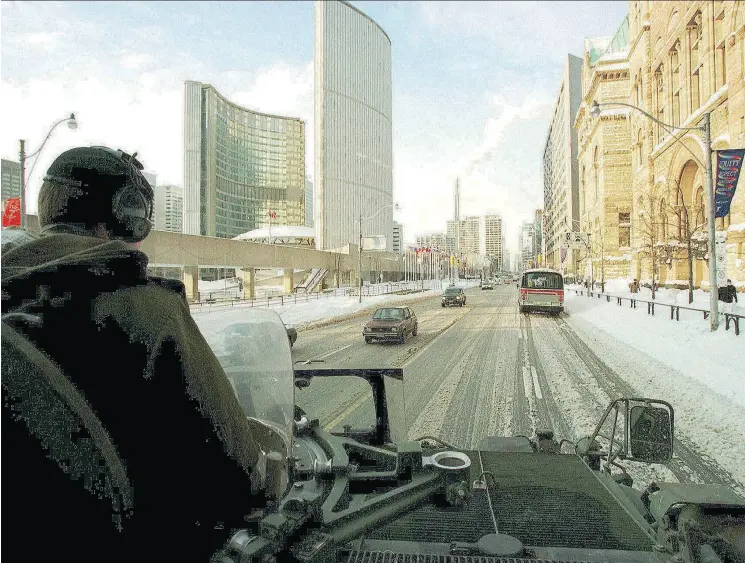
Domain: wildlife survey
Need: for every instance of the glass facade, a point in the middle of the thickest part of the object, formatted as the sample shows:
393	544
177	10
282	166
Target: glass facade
250	165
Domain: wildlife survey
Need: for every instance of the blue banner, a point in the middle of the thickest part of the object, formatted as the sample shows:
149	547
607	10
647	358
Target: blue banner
729	164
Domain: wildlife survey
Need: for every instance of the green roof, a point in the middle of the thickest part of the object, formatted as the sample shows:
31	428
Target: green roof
619	42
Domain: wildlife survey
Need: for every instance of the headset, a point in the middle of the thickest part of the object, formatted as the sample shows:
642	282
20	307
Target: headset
131	204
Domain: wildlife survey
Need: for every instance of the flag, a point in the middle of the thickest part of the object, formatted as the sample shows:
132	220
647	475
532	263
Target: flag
12	213
729	164
272	214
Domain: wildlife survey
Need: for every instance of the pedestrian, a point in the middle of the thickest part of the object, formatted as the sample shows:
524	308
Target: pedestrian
728	293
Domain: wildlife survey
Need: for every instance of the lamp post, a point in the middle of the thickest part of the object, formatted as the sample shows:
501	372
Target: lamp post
359	250
72	123
706	130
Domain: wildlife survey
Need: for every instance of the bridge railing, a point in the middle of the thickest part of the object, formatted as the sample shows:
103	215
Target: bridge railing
729	318
209	303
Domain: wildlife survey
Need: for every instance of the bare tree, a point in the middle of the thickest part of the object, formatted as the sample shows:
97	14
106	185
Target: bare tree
690	227
652	231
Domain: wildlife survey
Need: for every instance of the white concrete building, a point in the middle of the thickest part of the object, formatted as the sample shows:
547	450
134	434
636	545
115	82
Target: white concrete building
353	126
494	240
560	168
168	211
398	237
308	202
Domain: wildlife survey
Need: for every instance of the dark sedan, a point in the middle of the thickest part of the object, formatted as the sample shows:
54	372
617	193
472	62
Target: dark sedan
392	324
454	296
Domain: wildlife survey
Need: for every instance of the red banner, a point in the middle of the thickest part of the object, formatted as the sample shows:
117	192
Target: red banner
12	213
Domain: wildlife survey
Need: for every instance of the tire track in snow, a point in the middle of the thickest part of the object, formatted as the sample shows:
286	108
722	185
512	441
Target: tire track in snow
552	416
688	465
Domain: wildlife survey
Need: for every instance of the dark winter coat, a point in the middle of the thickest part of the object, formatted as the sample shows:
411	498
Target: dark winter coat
139	359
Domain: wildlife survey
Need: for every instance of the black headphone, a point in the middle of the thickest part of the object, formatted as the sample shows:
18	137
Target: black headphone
132	203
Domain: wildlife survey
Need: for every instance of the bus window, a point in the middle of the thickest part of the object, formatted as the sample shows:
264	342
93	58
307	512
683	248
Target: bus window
543	280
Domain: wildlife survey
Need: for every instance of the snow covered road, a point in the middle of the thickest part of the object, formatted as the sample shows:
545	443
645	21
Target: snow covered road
484	369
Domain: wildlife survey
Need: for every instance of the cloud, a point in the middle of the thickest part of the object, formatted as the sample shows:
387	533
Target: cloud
136	60
496	127
526	31
143	113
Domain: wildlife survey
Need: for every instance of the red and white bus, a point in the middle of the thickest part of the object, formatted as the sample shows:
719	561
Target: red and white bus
541	289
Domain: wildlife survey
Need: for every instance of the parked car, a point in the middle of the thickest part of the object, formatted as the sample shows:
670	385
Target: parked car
391	324
487	285
454	296
291	334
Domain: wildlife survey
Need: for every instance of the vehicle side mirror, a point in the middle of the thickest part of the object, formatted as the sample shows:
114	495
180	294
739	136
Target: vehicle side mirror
650	434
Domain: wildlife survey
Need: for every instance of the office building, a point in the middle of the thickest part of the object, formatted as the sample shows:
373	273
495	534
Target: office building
11	179
169	208
240	166
353	128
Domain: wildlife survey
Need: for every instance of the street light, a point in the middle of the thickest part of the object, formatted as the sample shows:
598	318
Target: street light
72	123
359	250
706	129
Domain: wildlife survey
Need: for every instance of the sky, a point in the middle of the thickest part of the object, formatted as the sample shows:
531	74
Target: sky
474	85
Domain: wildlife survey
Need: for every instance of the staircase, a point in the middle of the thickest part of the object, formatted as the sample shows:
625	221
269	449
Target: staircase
312	280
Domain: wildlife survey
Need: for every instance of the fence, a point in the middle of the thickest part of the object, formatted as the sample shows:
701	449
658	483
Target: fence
281	300
729	318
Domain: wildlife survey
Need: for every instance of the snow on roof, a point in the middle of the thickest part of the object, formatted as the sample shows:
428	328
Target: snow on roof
619	65
614	57
286	231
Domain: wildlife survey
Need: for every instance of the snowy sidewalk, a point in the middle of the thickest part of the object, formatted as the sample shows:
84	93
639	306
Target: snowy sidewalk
687	346
300	314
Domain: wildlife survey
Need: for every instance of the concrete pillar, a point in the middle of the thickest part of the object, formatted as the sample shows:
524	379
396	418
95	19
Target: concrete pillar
248	277
289	281
190	277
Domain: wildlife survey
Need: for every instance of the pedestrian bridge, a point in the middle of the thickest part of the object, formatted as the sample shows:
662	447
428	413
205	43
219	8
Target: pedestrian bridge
190	252
193	251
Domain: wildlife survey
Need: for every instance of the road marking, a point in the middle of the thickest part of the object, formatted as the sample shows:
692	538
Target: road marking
334	352
354	406
527	386
536	384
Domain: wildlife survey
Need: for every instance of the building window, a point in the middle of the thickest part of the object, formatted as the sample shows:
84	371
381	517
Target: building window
624	230
720	62
595	173
694	32
675	83
659	103
662	237
682	213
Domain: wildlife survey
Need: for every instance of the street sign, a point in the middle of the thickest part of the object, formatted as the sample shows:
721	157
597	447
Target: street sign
721	250
575	240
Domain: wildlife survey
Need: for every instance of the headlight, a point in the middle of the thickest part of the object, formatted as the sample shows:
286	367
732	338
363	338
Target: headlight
367	329
394	329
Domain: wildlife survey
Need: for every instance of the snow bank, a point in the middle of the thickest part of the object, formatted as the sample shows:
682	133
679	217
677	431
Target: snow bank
666	295
688	346
299	314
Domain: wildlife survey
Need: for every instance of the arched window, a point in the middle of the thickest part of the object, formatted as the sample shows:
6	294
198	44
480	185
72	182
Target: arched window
696	59
682	215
